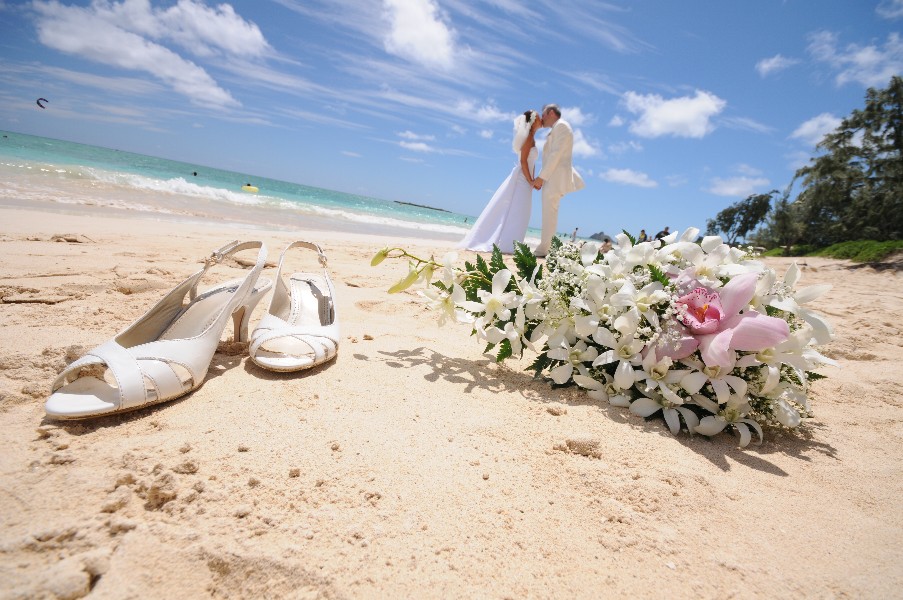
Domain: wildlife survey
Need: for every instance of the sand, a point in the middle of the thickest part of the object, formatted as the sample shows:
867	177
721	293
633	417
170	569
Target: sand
412	466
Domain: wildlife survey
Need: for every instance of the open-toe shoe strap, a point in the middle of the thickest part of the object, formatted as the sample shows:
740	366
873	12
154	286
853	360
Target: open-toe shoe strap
277	328
129	377
132	366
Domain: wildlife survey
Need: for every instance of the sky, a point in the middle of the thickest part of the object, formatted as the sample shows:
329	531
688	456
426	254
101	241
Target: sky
679	109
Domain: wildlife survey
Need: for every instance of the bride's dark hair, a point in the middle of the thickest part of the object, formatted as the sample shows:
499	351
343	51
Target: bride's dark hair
527	115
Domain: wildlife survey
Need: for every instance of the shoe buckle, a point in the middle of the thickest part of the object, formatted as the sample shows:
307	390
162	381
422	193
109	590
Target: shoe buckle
215	258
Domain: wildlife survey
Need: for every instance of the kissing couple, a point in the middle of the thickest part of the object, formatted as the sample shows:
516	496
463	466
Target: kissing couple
505	219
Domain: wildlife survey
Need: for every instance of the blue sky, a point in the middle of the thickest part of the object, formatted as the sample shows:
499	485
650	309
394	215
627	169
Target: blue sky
679	109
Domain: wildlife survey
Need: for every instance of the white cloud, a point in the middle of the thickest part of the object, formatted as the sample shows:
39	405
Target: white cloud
767	66
681	117
628	177
485	113
616	121
746	124
676	180
737	186
748	170
418	33
622	147
871	65
410	135
131	35
583	147
486	134
576	118
600	83
417	146
812	131
351	154
890	9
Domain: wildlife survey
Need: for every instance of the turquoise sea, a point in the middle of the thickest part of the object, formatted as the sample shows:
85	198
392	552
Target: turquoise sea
50	171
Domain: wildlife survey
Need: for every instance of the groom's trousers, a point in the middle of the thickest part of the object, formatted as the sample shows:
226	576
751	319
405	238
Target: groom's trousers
550	204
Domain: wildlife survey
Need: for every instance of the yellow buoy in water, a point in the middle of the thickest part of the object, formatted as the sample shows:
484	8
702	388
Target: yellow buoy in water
249	188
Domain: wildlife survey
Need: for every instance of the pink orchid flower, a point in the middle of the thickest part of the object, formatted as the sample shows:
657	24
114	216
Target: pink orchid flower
715	324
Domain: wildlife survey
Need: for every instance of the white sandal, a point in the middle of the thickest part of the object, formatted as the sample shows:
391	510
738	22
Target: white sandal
166	353
300	330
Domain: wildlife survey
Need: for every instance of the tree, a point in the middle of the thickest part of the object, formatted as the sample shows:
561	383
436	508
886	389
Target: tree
855	190
737	220
782	226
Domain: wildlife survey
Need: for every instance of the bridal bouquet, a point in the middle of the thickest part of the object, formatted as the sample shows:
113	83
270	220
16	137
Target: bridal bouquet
698	331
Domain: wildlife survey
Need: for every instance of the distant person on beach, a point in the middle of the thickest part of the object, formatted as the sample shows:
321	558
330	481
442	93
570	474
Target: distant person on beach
557	176
663	233
642	237
505	219
574	235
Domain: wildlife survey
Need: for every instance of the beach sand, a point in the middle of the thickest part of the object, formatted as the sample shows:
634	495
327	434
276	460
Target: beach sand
412	466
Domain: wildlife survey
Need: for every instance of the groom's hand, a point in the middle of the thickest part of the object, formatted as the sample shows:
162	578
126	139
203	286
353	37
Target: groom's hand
537	183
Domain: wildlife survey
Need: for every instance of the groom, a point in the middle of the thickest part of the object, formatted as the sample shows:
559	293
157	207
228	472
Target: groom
557	176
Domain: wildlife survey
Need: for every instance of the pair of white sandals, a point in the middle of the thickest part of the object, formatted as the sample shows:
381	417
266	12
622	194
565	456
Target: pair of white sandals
166	353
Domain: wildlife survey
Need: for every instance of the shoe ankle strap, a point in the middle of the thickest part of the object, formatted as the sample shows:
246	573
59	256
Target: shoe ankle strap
302	244
217	256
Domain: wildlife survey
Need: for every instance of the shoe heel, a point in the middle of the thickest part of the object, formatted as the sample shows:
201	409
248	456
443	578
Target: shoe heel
242	315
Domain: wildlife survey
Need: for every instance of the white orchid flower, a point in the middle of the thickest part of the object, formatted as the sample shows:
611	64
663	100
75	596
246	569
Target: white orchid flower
449	277
642	301
496	303
781	397
447	303
659	377
603	391
624	350
531	298
574	357
733	413
513	332
788	352
717	375
792	300
649	405
631	255
600	313
588	253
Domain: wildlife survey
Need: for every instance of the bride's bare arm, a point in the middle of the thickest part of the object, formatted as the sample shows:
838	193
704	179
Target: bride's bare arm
524	164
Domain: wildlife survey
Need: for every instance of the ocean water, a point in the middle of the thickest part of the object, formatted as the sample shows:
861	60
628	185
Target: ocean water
37	169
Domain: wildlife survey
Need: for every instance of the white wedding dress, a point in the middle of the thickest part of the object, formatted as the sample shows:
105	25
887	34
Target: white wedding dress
505	218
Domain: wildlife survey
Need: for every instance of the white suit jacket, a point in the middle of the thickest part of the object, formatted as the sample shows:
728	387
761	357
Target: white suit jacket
557	173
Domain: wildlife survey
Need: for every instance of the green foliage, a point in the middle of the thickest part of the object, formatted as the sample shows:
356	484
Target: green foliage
537	366
737	220
505	351
525	261
483	281
855	189
861	251
629	237
659	276
496	262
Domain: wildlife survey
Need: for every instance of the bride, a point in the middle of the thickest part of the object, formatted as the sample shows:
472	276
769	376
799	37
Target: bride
505	218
